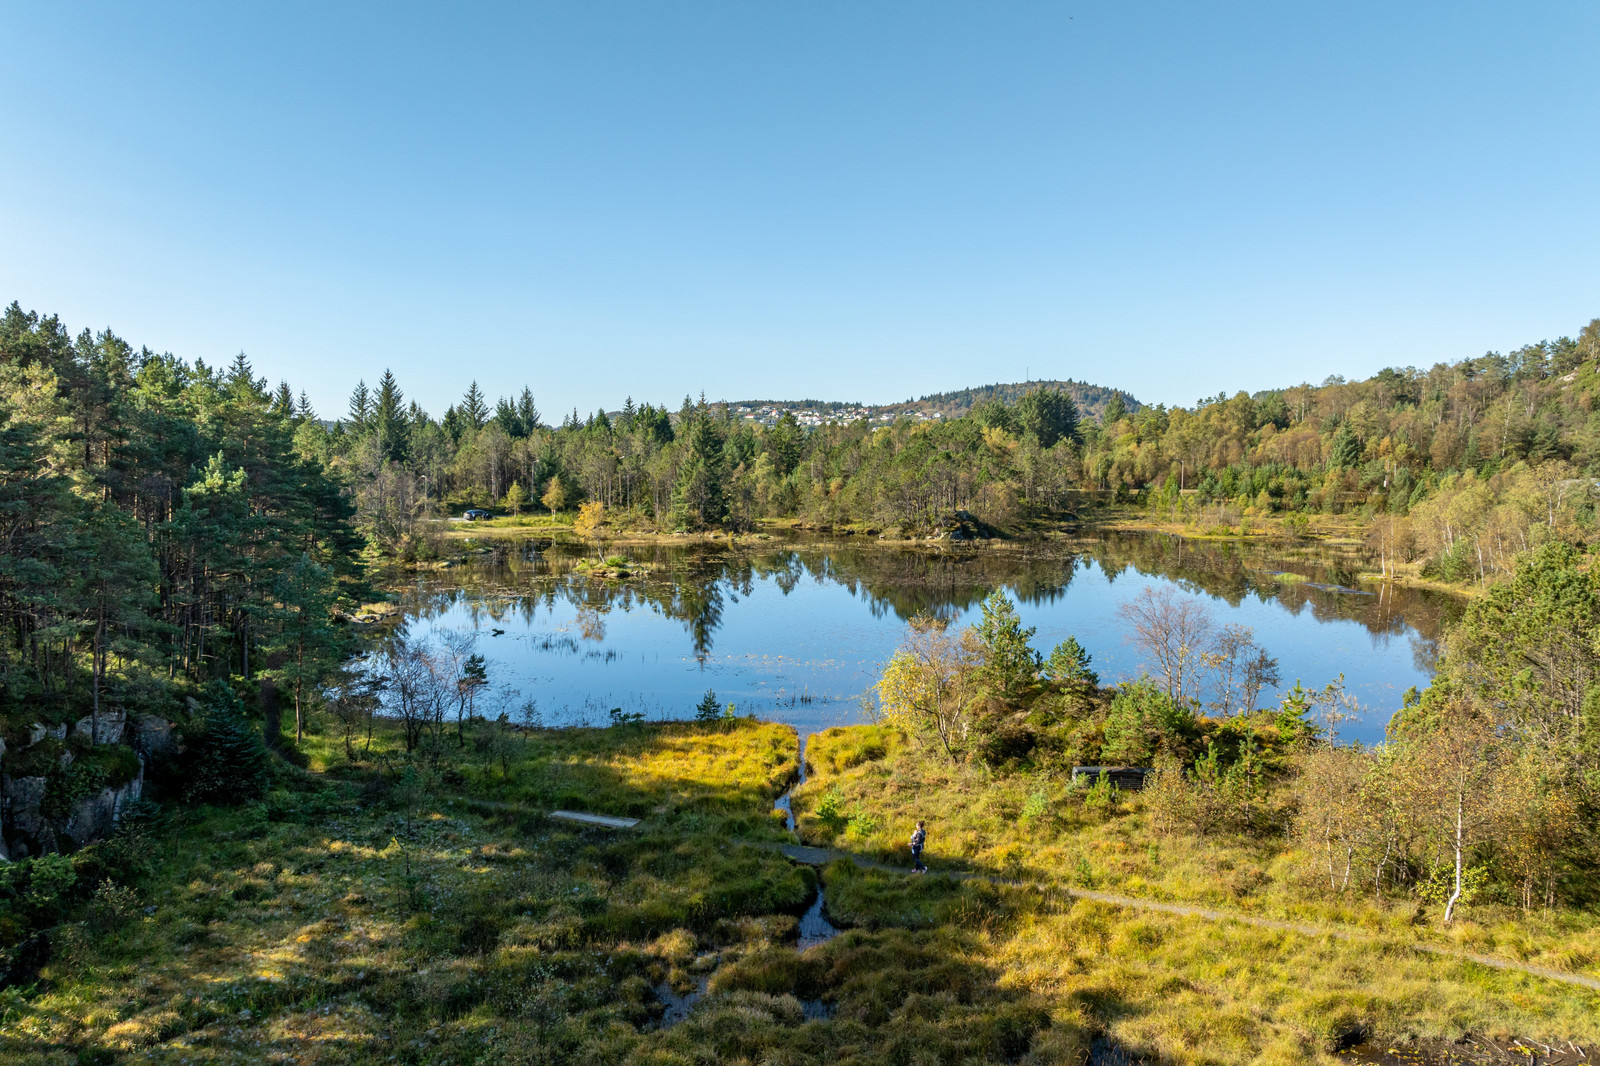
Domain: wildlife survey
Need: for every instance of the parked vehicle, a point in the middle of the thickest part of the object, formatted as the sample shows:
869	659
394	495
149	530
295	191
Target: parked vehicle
472	514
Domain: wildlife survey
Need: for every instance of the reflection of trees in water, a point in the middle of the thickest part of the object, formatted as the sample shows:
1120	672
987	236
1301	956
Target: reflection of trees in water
693	584
1232	572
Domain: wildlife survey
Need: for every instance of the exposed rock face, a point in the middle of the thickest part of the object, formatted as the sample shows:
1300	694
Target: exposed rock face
152	737
23	799
24	828
94	817
112	725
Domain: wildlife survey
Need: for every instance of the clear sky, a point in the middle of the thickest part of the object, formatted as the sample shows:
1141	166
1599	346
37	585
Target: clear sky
840	200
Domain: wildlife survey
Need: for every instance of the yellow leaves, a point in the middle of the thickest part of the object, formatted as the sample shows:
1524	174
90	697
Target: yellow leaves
999	441
591	520
905	693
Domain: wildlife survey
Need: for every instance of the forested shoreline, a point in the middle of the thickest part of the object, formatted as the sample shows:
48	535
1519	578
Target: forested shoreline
1456	468
186	546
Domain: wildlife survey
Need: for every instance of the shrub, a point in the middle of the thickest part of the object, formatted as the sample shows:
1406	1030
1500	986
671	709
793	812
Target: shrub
111	907
230	764
1144	720
50	879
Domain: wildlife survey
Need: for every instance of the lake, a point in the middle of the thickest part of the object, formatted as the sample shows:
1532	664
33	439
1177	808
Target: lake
798	630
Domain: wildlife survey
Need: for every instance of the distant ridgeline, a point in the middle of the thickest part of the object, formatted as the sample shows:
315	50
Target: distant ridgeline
1091	401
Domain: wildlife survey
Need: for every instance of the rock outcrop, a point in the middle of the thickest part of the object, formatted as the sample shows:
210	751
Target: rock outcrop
25	827
152	737
95	815
112	725
21	814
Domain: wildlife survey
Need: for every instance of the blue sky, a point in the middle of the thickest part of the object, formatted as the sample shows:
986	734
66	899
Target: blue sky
838	200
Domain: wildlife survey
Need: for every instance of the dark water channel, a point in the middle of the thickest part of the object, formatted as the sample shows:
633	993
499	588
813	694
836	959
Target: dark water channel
798	630
814	929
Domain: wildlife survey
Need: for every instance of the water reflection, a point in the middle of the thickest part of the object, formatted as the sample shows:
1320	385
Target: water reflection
774	624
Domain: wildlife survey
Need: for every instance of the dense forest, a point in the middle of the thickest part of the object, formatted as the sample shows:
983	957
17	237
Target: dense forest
1091	400
160	526
1457	467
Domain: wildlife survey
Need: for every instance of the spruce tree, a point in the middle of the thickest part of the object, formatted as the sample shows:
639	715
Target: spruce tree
230	760
360	407
527	411
473	408
698	500
389	418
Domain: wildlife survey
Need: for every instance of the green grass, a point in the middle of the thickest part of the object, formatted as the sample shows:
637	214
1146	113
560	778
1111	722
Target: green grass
1163	983
348	920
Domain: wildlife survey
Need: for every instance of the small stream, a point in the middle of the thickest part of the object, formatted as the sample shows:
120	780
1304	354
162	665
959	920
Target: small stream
814	929
814	925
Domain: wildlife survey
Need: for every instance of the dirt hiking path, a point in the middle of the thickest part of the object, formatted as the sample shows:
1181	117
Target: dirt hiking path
822	856
811	856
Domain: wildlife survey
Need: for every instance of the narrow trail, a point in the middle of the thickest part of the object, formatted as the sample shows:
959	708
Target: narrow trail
814	856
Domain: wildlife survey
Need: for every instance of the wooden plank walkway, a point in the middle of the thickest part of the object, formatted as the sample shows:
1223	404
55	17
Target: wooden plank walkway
609	821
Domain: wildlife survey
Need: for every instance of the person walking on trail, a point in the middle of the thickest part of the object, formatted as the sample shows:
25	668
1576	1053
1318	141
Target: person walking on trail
919	837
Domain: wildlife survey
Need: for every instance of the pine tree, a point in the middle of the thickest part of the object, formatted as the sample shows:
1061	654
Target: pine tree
1009	665
388	418
473	408
360	407
1048	415
1068	665
303	409
283	401
527	411
708	709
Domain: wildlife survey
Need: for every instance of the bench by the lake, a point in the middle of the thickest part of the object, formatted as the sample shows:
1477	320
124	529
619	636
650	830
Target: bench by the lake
1126	778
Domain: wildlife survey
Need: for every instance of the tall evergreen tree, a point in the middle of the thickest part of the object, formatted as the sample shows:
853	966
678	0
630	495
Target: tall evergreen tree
473	410
527	411
1048	415
506	417
698	500
389	422
360	407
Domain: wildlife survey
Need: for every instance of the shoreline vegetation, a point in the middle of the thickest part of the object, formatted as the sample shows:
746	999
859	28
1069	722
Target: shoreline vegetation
243	818
459	541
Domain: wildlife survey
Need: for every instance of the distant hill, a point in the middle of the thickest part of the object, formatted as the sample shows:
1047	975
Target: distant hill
941	406
1091	399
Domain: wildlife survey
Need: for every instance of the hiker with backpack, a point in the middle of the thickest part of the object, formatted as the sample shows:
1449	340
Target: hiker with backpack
919	837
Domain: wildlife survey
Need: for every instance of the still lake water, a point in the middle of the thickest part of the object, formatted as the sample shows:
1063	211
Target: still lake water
798	631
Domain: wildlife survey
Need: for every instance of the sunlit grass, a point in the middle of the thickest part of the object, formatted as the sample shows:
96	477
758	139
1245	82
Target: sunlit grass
290	930
1039	830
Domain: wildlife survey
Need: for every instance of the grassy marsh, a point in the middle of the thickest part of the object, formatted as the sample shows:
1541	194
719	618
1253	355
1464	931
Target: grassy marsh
349	918
1184	989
